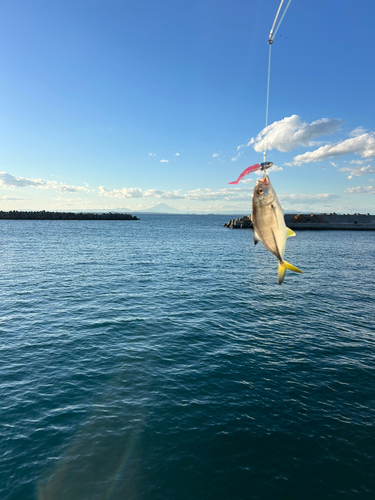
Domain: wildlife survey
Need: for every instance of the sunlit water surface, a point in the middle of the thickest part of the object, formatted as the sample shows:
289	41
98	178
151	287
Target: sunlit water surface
159	359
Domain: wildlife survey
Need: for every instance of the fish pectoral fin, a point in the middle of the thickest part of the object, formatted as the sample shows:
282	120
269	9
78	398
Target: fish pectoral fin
283	266
289	232
256	237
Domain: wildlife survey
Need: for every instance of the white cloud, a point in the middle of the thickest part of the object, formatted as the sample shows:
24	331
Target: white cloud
291	132
358	171
363	145
361	190
219	156
138	193
177	154
10	198
308	198
235	158
357	131
121	193
151	154
168	195
8	181
164	161
251	141
195	194
226	194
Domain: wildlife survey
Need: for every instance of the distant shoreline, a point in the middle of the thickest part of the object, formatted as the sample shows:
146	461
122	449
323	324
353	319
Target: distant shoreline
321	222
43	215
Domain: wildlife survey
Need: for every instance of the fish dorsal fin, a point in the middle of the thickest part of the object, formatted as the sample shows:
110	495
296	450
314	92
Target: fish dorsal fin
256	237
289	232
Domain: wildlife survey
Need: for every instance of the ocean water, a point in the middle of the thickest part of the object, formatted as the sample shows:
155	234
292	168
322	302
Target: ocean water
159	359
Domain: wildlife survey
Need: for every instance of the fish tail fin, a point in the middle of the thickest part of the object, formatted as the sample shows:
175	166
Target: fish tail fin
281	272
283	266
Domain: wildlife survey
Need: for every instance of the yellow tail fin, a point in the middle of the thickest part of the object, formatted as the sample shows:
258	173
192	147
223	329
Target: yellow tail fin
283	266
292	268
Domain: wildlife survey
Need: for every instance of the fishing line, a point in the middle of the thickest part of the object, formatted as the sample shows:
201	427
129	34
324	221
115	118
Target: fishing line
271	37
266	164
272	34
267	101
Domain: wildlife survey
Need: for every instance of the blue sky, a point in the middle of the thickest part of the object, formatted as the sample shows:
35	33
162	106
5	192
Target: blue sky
110	104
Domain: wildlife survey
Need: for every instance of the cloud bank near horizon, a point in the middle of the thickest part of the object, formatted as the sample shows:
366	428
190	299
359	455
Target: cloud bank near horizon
8	181
361	190
200	194
139	193
200	199
308	198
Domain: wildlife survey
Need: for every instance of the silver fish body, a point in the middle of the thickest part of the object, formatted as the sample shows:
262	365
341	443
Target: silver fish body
269	224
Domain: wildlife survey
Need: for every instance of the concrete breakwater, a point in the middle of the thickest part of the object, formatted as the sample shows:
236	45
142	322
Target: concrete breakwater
332	221
43	215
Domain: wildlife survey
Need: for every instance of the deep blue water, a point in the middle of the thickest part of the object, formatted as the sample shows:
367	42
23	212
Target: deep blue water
160	359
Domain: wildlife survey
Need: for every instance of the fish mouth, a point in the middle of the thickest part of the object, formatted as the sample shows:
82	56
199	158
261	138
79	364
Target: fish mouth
265	180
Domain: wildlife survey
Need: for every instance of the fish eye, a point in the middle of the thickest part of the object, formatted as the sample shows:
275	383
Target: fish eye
260	191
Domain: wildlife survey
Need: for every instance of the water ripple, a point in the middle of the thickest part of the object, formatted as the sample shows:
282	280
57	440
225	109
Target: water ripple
161	360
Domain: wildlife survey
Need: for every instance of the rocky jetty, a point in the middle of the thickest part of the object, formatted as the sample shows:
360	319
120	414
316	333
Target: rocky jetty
43	215
240	223
353	222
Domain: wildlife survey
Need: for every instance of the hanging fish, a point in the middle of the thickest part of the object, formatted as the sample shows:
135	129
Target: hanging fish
269	224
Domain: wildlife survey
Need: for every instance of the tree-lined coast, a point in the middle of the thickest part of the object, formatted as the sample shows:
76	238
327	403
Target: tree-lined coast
43	215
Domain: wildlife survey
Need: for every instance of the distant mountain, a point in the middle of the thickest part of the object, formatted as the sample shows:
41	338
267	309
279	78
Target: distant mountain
162	208
126	210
